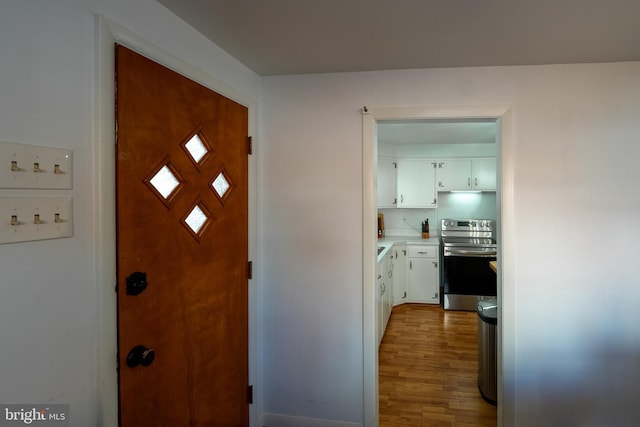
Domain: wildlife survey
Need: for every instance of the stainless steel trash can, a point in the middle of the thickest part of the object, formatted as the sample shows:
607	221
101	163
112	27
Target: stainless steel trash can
487	363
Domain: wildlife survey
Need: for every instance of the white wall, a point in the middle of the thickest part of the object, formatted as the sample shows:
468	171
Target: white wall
48	322
311	221
57	318
407	222
575	212
437	151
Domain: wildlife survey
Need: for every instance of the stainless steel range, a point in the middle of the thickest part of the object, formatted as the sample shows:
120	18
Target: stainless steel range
467	247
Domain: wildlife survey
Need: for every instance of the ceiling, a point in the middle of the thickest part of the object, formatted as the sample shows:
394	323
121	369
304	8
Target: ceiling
282	37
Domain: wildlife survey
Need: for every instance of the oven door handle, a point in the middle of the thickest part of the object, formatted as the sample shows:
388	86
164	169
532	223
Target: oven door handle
470	252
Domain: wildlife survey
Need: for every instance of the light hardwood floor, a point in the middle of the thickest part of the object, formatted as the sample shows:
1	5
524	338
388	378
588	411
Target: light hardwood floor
428	370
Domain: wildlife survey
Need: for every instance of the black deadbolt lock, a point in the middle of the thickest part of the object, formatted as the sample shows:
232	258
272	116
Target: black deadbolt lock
140	355
136	283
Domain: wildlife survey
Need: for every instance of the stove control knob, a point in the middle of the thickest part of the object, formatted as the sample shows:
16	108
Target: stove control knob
482	224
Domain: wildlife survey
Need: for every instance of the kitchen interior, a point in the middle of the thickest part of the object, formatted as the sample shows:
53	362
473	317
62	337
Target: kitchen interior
437	250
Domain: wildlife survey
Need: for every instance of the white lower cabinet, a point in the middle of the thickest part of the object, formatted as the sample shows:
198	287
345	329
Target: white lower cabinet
384	295
387	302
423	274
406	273
400	265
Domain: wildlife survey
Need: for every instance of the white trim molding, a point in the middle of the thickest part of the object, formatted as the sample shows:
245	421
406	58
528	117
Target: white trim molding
276	420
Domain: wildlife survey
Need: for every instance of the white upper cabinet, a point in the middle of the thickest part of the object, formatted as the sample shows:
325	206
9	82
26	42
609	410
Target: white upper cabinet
416	183
454	174
484	174
386	182
478	174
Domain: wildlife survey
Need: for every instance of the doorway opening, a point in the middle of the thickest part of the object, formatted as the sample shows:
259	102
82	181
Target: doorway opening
372	118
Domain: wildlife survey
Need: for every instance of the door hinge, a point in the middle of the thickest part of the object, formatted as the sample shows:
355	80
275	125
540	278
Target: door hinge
250	269
250	394
250	144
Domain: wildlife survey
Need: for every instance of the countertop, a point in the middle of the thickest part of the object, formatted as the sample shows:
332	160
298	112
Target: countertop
410	240
388	241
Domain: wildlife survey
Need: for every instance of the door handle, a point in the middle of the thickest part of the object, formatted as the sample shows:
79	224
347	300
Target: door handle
140	355
136	283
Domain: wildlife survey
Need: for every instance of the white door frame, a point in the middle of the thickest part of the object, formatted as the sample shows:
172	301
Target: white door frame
505	238
109	33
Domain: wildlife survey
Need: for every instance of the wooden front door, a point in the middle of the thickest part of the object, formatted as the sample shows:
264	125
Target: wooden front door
182	249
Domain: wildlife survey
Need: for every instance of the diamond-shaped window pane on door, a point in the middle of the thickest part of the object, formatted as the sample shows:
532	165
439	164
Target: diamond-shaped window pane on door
196	148
221	185
165	182
196	219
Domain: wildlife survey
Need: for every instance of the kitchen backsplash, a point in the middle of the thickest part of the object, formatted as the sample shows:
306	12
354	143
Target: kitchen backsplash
407	222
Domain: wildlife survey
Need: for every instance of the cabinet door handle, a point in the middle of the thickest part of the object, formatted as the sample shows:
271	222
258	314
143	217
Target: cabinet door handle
476	181
469	182
401	199
435	264
410	265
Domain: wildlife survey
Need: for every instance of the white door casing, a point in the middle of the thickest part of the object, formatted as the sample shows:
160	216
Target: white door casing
505	238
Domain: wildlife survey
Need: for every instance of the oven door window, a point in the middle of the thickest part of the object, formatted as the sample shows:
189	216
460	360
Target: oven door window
469	276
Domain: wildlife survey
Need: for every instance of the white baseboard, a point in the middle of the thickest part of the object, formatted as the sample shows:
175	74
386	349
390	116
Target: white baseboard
277	420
